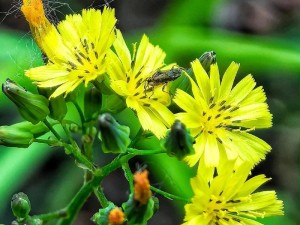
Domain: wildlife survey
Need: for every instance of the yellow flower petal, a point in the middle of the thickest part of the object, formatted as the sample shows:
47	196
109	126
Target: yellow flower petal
76	50
224	114
225	197
129	76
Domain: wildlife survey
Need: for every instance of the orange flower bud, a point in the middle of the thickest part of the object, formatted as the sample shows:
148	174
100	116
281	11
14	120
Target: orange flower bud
34	13
142	192
116	217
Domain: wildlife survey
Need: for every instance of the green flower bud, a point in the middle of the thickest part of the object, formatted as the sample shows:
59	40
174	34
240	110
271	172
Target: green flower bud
12	136
178	142
32	107
137	213
20	205
183	83
36	130
114	137
207	59
57	106
101	217
92	103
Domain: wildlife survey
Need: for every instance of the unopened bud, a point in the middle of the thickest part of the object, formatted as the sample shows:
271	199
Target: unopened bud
32	107
37	130
136	213
11	136
20	205
178	142
207	59
102	216
114	137
142	192
140	206
116	217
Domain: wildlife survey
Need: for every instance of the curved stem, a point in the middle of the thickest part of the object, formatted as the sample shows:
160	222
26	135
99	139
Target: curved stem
145	151
48	142
53	215
81	115
85	191
67	132
168	195
101	197
45	121
79	199
75	151
128	175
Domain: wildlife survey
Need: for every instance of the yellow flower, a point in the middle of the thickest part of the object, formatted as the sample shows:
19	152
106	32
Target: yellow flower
76	49
129	76
220	116
228	198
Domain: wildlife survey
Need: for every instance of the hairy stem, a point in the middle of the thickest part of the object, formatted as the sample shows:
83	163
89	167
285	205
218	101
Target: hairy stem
168	195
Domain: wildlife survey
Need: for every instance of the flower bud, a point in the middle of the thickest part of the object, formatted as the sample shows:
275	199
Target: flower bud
207	59
57	105
114	137
12	136
37	130
183	83
116	216
92	103
142	192
178	142
141	204
20	205
32	107
137	213
111	215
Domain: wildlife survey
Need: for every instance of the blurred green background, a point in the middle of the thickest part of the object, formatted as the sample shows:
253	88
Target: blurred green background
262	35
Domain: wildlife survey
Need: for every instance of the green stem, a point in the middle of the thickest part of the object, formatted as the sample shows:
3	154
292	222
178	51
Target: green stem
85	191
101	197
79	199
168	195
75	151
128	175
48	142
145	151
67	132
45	121
81	115
53	215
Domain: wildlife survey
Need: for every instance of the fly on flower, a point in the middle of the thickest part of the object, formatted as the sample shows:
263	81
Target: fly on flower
161	77
128	72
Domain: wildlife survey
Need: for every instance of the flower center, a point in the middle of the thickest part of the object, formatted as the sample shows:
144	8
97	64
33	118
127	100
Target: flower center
86	61
221	211
218	115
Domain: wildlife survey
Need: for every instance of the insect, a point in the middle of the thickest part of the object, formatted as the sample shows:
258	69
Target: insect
161	77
